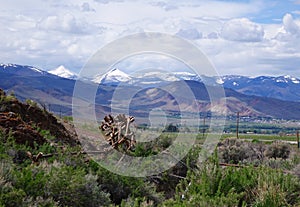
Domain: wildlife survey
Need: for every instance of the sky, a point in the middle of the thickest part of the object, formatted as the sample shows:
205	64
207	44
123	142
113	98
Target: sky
246	37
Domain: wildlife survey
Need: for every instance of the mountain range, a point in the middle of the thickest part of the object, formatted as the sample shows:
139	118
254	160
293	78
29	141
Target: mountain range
276	97
281	87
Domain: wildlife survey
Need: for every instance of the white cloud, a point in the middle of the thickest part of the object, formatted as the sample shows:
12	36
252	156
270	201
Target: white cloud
85	7
191	34
50	33
290	25
296	12
289	31
213	35
102	1
242	30
65	23
166	6
218	9
150	61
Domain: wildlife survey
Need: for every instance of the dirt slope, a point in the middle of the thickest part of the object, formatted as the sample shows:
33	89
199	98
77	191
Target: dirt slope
24	120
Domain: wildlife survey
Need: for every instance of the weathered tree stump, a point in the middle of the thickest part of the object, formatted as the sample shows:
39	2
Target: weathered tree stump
117	131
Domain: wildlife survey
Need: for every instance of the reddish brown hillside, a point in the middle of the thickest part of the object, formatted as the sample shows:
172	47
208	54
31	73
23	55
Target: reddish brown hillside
23	120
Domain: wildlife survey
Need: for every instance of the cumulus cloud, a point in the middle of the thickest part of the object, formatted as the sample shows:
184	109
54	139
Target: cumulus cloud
41	33
107	1
102	1
242	30
85	7
213	35
290	25
191	34
290	30
166	6
66	23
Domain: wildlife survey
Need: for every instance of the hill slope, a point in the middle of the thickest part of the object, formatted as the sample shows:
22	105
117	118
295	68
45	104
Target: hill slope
25	120
235	102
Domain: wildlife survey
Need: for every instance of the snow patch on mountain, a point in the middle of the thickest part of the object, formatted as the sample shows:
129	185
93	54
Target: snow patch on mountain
187	76
14	68
113	76
219	81
286	79
142	78
235	83
63	72
158	76
8	65
36	69
295	80
291	79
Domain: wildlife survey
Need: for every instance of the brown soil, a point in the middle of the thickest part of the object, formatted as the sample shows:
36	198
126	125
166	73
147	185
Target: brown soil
24	121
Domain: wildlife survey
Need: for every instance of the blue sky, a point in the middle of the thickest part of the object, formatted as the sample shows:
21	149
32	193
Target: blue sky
247	37
275	10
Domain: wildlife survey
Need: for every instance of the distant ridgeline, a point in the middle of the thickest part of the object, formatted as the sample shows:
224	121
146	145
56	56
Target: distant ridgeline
272	97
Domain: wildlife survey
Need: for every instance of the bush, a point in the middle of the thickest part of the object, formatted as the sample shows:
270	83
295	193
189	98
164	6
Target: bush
40	202
121	188
275	189
68	118
73	187
48	185
31	102
212	185
278	150
9	195
236	151
296	171
12	197
31	180
208	186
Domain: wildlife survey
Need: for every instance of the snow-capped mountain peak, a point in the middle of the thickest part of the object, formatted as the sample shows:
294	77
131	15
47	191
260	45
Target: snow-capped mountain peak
63	72
219	81
4	66
24	70
187	76
113	76
287	79
10	65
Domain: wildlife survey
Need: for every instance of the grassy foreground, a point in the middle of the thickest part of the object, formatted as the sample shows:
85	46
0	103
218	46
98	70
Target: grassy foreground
72	179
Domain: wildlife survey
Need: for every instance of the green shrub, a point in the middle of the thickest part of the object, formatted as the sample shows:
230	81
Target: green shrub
31	180
276	189
40	202
68	118
31	102
12	197
73	187
213	185
122	187
9	195
296	171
